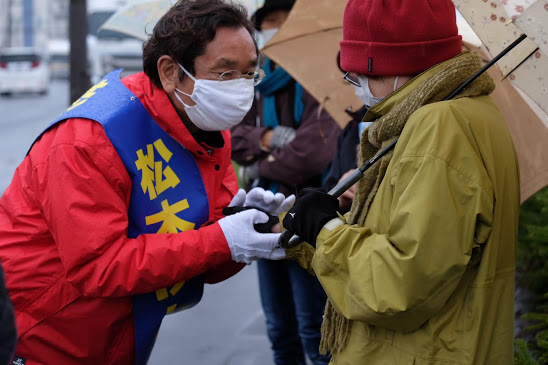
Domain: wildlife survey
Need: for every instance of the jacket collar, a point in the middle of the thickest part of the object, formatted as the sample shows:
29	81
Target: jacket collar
403	92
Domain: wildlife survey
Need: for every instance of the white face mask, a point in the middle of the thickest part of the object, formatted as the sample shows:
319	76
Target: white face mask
220	105
358	90
266	35
366	96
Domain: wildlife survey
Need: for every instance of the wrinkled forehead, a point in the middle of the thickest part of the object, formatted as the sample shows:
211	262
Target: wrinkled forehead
232	48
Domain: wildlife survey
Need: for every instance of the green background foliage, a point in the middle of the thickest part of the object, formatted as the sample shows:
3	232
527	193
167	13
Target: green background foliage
532	267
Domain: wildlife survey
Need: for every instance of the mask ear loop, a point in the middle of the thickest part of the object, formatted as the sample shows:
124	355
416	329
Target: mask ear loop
181	100
182	92
186	72
396	83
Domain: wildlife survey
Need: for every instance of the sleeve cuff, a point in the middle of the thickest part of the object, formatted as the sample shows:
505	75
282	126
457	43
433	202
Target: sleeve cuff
215	240
327	229
332	224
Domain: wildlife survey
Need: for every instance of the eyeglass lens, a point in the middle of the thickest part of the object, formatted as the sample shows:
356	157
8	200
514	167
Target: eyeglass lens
352	79
256	76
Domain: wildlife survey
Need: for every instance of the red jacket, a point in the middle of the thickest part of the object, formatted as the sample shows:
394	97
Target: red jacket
70	267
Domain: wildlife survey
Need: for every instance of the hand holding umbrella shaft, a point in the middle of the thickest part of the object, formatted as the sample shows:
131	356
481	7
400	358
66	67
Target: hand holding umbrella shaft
288	240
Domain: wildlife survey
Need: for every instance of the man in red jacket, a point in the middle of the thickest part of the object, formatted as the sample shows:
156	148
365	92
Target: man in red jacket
114	218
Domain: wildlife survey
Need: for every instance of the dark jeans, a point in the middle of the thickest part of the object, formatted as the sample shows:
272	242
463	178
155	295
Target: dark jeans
293	303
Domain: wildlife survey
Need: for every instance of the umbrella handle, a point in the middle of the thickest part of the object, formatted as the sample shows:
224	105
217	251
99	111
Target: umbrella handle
288	240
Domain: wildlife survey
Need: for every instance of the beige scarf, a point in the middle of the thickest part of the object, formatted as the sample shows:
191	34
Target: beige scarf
453	73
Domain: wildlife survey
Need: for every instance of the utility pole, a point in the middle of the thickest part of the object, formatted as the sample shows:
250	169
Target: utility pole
10	25
28	23
78	29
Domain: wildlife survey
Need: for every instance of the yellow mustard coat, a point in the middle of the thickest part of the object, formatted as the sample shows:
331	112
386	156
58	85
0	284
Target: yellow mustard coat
429	278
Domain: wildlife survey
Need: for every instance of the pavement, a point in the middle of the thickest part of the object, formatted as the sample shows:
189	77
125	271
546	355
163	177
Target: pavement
227	327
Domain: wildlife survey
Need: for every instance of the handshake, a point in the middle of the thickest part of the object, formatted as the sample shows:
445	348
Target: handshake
250	214
247	216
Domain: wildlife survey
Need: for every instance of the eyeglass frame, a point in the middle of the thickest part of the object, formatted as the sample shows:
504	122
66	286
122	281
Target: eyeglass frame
354	80
252	75
258	75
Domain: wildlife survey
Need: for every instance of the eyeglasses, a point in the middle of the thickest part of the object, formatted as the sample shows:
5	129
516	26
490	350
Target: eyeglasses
354	80
257	76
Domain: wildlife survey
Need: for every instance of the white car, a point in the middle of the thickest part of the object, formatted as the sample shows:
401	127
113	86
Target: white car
59	62
23	69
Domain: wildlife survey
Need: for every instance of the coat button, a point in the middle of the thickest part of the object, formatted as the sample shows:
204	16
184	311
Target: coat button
217	167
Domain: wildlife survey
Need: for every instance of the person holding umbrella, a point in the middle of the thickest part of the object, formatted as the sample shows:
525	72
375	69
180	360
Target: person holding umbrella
285	143
115	216
421	270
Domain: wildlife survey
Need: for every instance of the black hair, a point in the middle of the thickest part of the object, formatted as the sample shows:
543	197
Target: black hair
185	30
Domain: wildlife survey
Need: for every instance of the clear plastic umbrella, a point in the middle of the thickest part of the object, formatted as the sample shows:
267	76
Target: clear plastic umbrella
139	17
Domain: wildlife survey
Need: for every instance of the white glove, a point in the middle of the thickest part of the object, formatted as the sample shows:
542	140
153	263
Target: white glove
239	199
281	136
251	172
267	201
246	244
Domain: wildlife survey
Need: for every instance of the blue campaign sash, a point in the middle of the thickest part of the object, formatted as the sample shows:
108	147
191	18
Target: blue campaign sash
167	195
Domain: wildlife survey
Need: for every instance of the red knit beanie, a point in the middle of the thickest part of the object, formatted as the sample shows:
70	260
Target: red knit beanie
398	37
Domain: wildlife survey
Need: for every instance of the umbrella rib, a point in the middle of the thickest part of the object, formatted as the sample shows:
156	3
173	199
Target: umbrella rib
488	65
521	63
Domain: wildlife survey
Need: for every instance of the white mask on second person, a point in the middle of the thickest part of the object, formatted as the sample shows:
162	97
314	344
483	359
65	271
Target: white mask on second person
267	35
360	93
220	105
367	97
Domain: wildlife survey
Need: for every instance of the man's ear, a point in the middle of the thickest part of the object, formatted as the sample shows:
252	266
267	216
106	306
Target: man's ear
168	70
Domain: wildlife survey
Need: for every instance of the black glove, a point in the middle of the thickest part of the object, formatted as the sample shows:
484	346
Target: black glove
312	210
